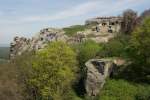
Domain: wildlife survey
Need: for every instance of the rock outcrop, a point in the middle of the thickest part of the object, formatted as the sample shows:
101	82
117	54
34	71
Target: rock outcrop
18	46
106	24
39	41
97	71
104	30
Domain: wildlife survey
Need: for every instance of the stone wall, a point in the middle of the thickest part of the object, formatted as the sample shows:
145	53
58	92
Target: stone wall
106	24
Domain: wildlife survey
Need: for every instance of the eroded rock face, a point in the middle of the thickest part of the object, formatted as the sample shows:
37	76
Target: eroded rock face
97	71
39	41
19	45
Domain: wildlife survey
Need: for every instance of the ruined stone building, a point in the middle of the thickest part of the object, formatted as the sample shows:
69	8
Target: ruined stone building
41	39
106	24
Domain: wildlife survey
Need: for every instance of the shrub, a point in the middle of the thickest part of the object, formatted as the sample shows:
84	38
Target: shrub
87	50
123	90
140	41
115	47
51	72
143	93
139	49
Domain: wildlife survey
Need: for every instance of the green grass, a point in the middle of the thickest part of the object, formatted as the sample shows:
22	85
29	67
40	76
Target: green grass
124	90
70	31
4	52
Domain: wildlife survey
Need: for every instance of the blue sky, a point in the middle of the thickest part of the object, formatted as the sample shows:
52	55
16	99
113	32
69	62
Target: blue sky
26	17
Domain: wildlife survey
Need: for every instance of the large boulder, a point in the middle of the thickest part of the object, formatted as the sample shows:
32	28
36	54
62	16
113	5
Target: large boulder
97	71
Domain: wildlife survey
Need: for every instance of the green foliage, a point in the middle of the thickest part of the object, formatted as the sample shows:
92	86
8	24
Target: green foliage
139	49
143	93
53	71
74	29
123	90
115	48
71	95
88	50
140	41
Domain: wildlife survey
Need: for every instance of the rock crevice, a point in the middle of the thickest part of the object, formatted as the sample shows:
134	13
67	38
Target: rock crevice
97	72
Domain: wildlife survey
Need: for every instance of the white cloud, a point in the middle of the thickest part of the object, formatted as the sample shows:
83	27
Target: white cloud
70	12
25	24
101	7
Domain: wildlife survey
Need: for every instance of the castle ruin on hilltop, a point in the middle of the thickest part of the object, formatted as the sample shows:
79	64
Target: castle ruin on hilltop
103	29
106	24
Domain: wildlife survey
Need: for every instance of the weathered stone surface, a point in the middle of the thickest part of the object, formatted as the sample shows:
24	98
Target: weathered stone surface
106	24
39	41
97	71
100	33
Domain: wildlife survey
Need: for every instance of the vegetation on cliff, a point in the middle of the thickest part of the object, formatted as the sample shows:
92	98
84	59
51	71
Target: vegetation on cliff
50	72
57	72
74	29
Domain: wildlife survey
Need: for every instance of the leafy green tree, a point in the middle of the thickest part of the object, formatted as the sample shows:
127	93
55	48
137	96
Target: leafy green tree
124	90
87	50
52	73
140	41
115	47
139	48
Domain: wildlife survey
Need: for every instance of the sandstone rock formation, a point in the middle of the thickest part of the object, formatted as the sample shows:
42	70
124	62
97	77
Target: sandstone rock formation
18	46
103	31
77	38
97	71
39	41
106	24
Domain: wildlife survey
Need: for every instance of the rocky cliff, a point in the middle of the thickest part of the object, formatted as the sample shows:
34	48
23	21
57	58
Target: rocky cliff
97	72
39	41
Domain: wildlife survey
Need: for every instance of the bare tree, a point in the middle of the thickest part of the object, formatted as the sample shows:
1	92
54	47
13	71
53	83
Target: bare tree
145	14
129	21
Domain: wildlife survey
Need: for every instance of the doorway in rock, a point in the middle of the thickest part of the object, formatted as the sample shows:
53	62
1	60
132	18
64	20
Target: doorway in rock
104	24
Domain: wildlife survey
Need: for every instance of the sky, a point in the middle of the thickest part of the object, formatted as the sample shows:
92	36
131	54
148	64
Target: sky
27	17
